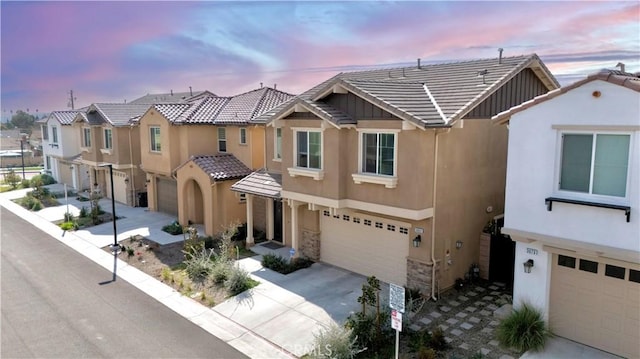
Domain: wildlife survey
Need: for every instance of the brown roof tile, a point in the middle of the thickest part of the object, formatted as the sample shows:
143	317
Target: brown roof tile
260	183
220	167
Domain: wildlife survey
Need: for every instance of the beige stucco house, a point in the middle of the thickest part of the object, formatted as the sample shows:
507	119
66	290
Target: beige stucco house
106	137
382	172
192	151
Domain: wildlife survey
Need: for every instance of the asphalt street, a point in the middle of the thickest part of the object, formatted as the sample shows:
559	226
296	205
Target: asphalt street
56	303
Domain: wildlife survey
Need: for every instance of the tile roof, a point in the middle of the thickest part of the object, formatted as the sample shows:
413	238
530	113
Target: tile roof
628	80
118	114
220	167
238	109
63	117
151	99
260	183
456	88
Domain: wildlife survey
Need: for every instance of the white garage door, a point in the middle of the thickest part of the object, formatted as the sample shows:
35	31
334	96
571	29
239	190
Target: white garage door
119	186
366	245
597	304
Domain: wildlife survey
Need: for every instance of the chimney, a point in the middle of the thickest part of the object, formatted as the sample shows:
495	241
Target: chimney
419	64
171	92
500	55
621	66
190	91
274	86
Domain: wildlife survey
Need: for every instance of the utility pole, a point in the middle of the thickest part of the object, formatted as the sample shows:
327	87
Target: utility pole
71	99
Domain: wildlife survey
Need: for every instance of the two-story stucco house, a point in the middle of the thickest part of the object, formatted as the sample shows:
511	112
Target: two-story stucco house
106	137
572	205
61	149
192	152
382	172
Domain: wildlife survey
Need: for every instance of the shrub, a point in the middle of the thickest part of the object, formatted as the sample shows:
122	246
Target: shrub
166	274
67	226
173	228
427	353
334	342
419	340
220	271
12	179
437	340
238	281
68	217
199	266
193	245
281	265
367	333
42	180
130	252
524	329
25	183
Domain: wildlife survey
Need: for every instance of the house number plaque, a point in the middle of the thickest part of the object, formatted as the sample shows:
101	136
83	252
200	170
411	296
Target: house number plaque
532	251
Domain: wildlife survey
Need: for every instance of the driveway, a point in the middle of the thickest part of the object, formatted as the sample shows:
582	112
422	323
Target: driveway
287	310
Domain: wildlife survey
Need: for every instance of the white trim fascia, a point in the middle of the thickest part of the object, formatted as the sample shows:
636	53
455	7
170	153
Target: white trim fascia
317	175
106	151
435	104
411	214
595	128
387	181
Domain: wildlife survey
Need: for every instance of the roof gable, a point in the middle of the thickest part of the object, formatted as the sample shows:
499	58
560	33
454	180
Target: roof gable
626	80
219	167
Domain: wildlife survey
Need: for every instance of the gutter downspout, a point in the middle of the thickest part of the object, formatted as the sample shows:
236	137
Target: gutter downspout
433	219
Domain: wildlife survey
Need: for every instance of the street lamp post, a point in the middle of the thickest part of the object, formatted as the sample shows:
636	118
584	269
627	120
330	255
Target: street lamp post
115	247
23	137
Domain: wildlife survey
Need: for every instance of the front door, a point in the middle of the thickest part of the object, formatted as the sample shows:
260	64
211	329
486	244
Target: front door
277	220
501	261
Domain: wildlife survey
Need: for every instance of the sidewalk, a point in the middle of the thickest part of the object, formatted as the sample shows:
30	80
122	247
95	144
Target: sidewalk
89	243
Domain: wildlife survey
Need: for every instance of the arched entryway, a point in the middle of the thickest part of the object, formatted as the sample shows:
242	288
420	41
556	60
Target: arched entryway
195	203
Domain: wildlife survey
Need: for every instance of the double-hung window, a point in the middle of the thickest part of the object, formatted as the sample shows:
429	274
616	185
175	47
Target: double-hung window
86	137
378	151
309	149
154	139
108	139
243	135
222	139
45	132
277	146
54	135
595	163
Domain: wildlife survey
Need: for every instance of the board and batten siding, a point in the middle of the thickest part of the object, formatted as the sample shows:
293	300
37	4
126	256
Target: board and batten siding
522	87
356	107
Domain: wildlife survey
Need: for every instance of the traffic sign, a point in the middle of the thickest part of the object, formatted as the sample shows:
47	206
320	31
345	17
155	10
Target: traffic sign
396	320
396	297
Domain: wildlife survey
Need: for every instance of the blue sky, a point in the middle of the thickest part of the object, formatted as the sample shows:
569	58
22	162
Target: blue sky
117	51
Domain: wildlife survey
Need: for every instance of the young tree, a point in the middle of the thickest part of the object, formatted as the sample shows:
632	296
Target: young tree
12	179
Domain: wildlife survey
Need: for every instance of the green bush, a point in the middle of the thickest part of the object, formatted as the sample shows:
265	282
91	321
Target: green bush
68	226
281	265
12	179
25	183
437	340
427	353
83	212
173	228
220	271
334	342
68	217
524	329
419	340
42	180
199	266
238	281
365	330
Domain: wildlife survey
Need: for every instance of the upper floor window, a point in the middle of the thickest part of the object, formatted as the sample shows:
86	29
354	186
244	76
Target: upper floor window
108	140
86	137
277	146
595	163
54	134
154	133
243	135
45	132
309	149
378	153
222	139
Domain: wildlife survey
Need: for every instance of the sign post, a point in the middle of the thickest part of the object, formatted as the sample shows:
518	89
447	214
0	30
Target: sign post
396	302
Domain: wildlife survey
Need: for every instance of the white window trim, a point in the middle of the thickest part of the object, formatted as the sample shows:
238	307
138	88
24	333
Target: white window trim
557	192
151	128
105	149
386	180
240	130
54	135
316	174
84	147
275	144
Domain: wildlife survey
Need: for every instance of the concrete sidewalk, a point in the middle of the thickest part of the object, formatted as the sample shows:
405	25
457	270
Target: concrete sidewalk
89	243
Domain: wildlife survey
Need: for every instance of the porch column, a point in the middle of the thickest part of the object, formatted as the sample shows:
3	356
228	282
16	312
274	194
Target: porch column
294	227
250	240
269	218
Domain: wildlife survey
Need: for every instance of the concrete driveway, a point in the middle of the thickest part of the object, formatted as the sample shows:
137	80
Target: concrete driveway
287	310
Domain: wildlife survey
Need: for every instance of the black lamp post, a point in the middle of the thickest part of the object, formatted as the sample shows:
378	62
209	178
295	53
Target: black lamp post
115	247
23	137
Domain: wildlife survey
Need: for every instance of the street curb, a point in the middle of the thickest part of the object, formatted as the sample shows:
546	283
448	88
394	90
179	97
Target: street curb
216	324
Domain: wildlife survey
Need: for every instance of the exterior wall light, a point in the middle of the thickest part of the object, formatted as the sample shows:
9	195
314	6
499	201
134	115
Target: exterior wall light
417	240
528	265
458	244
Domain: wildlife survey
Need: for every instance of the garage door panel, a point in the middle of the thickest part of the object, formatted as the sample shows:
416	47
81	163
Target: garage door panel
363	248
595	309
167	196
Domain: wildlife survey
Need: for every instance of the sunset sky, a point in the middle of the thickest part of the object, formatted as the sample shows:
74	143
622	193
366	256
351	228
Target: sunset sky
117	51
